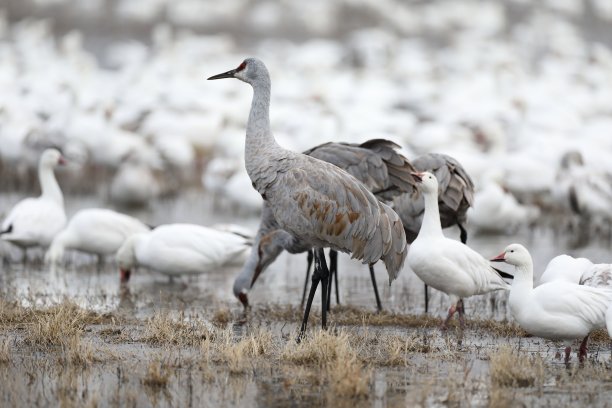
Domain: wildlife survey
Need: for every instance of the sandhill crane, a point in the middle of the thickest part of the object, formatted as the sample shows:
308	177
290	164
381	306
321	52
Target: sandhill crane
377	163
455	196
313	200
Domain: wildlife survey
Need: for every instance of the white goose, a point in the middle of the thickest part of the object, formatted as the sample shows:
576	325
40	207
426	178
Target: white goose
96	231
445	264
176	249
35	221
556	310
578	270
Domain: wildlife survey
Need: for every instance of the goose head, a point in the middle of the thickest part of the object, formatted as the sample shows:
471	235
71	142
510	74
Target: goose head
126	259
515	254
427	181
251	70
51	158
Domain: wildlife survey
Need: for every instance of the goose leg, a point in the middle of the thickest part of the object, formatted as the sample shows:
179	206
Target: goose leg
568	351
316	277
321	265
461	313
451	313
582	352
375	286
310	256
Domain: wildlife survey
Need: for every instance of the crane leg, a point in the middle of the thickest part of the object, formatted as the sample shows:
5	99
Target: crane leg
375	286
324	273
333	272
321	273
426	299
310	256
464	235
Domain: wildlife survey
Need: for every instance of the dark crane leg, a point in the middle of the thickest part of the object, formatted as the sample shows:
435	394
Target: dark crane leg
320	274
375	286
310	256
333	272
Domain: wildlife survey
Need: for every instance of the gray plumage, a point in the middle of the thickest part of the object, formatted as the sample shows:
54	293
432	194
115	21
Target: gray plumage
376	163
456	194
312	200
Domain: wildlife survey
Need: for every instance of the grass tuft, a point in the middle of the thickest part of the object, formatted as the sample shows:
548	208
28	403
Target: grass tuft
513	369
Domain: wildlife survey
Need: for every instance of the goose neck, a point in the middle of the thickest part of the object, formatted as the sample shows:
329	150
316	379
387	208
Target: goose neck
431	218
48	184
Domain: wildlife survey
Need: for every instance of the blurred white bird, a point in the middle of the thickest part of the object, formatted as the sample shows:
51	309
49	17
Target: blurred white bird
96	231
176	249
36	221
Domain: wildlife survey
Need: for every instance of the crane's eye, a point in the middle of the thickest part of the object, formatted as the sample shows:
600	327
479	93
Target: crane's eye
241	66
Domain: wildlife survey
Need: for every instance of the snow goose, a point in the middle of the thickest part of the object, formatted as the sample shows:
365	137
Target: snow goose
445	264
96	231
176	249
496	210
35	221
556	310
134	184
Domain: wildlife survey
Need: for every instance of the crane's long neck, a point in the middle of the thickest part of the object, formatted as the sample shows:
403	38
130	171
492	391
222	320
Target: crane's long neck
260	143
431	218
48	184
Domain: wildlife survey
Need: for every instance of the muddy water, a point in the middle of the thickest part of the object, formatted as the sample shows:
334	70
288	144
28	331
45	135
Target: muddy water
457	376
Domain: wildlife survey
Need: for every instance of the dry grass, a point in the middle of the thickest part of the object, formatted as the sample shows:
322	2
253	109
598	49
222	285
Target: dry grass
396	348
239	355
509	368
339	361
54	326
599	336
354	316
161	329
157	376
222	317
78	352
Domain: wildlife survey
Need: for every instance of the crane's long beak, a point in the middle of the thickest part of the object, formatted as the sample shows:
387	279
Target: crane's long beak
228	74
258	269
500	258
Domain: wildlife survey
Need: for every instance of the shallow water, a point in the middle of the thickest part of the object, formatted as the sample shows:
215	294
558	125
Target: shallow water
428	379
97	286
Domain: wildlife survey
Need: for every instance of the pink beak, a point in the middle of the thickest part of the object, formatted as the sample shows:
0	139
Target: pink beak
499	258
62	161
